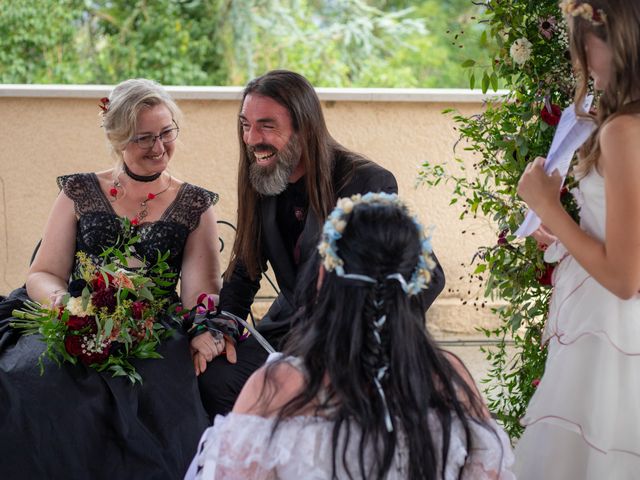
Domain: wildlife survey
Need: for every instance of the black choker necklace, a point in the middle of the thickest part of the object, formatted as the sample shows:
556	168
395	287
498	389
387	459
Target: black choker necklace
141	178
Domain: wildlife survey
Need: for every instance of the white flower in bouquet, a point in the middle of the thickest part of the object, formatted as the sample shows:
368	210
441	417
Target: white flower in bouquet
520	51
74	305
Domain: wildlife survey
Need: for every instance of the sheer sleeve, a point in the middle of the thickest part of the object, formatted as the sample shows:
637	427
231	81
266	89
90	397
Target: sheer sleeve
190	204
238	447
84	190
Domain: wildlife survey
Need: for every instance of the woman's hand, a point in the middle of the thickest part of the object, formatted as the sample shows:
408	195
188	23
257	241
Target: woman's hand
540	191
205	347
55	298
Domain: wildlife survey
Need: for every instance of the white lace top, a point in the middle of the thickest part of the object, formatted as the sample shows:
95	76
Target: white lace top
238	447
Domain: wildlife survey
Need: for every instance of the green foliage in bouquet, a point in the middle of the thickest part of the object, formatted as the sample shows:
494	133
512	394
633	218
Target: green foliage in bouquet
530	58
110	314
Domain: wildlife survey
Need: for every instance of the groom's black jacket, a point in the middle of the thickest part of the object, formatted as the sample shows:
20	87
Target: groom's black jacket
349	178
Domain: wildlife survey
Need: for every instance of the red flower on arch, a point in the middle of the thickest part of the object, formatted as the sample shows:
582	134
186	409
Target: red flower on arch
551	117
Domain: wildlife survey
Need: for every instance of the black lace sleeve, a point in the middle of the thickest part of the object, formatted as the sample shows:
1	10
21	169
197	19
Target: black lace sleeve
84	190
189	205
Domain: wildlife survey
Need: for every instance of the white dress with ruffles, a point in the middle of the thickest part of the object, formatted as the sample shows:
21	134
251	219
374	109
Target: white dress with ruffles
240	447
583	422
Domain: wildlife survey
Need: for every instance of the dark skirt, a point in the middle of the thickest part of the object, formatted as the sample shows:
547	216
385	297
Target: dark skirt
74	422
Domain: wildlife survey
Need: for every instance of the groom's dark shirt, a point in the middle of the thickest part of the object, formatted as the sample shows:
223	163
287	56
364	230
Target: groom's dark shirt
291	213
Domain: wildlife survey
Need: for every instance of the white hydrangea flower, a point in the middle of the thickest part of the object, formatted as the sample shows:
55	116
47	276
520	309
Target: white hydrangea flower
520	51
74	305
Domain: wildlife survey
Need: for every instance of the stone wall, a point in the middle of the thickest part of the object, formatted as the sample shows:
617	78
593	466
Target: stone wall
53	130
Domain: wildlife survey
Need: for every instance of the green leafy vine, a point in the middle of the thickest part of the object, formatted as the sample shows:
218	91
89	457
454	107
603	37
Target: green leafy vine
528	46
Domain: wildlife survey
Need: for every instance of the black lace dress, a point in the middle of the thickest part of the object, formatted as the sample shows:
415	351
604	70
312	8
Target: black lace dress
74	422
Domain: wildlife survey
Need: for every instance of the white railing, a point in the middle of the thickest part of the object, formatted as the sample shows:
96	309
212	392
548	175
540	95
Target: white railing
420	95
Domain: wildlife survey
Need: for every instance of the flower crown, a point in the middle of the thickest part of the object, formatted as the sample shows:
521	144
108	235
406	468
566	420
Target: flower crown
596	16
334	228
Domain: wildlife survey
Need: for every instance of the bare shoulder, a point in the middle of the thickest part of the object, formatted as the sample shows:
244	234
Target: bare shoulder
465	375
106	177
270	388
460	368
622	121
176	183
620	141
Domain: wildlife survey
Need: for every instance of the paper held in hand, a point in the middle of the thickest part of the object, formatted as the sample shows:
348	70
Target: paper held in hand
571	133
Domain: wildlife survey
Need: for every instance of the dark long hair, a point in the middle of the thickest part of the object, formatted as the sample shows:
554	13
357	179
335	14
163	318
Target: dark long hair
319	154
621	31
334	336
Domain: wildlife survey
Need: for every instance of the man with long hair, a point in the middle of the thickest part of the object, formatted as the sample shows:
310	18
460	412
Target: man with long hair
290	175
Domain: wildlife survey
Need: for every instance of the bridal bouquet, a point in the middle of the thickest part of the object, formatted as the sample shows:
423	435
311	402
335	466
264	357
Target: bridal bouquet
109	315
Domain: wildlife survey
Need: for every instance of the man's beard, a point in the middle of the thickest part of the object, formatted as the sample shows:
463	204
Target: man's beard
274	179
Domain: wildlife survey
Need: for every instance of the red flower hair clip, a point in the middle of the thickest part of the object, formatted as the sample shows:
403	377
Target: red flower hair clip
104	104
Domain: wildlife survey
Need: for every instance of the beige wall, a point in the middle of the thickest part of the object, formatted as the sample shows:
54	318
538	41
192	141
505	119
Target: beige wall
53	134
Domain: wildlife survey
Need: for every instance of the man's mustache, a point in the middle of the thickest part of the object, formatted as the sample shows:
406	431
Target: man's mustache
263	147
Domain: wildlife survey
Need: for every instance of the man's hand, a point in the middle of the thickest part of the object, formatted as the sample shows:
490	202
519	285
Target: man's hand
206	347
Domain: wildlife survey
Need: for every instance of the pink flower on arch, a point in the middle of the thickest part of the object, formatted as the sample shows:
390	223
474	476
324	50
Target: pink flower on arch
547	27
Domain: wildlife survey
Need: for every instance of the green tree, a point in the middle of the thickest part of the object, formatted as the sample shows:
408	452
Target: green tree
217	42
173	42
331	43
38	41
435	59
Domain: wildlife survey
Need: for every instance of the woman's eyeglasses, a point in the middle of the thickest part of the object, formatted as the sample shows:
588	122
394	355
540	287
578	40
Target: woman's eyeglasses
148	141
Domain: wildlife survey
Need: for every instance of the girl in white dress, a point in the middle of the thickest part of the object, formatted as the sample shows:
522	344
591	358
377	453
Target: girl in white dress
361	391
584	420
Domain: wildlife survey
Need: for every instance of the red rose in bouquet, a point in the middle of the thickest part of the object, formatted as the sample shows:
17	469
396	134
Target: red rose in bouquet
78	323
137	308
98	357
73	345
105	298
85	348
99	283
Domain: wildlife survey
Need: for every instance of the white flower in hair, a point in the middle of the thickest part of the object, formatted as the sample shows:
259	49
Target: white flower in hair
331	262
346	205
340	225
585	10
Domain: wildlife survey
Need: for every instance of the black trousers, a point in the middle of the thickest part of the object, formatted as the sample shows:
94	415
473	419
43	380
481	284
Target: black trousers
221	382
